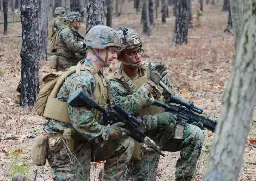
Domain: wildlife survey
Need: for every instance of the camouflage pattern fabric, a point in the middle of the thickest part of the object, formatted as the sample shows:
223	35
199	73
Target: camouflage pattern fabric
86	131
70	49
190	147
59	11
74	16
101	37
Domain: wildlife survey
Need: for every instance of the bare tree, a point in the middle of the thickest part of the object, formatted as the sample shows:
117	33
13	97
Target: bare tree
239	101
181	23
151	12
207	1
57	3
190	13
201	5
226	5
17	4
236	8
95	13
164	11
50	9
30	51
156	7
43	28
109	4
1	3
67	6
5	9
145	18
75	5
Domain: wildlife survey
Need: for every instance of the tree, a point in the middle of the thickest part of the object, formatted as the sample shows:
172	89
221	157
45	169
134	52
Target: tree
236	8
5	9
145	18
57	3
164	11
30	51
190	13
75	5
201	5
67	6
95	13
156	7
229	26
226	5
151	12
181	23
43	28
109	4
17	4
226	156
50	9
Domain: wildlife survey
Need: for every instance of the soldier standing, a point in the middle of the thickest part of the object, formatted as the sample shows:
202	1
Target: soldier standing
158	125
68	46
73	138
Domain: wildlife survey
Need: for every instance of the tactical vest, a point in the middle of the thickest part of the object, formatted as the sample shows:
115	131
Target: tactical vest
133	85
58	110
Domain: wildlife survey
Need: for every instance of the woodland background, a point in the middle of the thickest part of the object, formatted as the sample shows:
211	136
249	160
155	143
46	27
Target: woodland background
199	70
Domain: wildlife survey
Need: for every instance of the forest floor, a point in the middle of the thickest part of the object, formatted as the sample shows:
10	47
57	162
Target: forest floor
200	70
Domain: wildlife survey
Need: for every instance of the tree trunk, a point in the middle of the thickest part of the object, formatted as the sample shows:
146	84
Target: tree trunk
213	2
233	127
17	4
164	7
5	9
229	26
109	4
67	6
190	13
13	5
121	4
236	8
1	3
43	28
50	9
58	3
181	23
30	51
75	5
146	22
117	7
156	7
151	12
95	14
201	5
207	1
226	5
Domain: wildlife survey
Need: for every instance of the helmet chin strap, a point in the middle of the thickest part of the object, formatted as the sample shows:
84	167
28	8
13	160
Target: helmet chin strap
105	63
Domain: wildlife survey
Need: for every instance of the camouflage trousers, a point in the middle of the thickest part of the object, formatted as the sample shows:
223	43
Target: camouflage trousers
190	149
74	165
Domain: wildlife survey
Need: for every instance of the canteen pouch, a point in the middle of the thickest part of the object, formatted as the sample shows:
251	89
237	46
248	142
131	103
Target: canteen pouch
40	150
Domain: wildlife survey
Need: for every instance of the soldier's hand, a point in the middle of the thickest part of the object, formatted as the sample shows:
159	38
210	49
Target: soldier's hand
160	68
117	131
153	75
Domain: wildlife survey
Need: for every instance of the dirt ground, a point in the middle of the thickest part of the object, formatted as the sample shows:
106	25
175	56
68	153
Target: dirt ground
199	70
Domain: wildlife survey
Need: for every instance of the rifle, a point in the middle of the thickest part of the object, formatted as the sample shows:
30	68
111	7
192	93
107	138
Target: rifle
77	34
112	115
186	112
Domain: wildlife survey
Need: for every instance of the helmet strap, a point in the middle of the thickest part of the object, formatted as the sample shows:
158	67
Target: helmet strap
105	64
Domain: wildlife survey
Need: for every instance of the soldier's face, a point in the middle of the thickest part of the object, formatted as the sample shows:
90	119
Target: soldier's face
132	56
112	54
76	24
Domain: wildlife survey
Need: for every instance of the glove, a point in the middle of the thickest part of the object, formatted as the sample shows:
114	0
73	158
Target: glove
117	131
199	124
153	75
160	68
157	121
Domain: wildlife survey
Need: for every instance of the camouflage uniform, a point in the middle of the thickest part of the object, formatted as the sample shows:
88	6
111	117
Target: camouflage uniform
71	161
69	47
189	148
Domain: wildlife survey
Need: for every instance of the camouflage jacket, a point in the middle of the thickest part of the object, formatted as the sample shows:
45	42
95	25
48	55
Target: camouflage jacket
68	45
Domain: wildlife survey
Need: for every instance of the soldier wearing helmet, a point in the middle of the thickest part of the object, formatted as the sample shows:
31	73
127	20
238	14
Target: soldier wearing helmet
157	124
68	48
90	140
57	23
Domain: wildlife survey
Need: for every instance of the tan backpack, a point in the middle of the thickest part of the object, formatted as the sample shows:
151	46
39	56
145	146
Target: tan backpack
47	104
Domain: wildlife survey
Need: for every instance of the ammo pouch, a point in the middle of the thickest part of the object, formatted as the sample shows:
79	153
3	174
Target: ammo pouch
138	153
40	150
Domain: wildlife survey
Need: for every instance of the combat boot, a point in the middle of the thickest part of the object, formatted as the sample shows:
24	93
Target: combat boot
183	179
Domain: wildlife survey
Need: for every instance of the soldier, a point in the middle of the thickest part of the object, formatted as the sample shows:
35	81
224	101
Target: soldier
68	47
57	23
71	142
158	125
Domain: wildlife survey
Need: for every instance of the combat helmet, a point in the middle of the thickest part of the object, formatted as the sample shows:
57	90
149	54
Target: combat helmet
129	39
73	16
101	37
59	11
